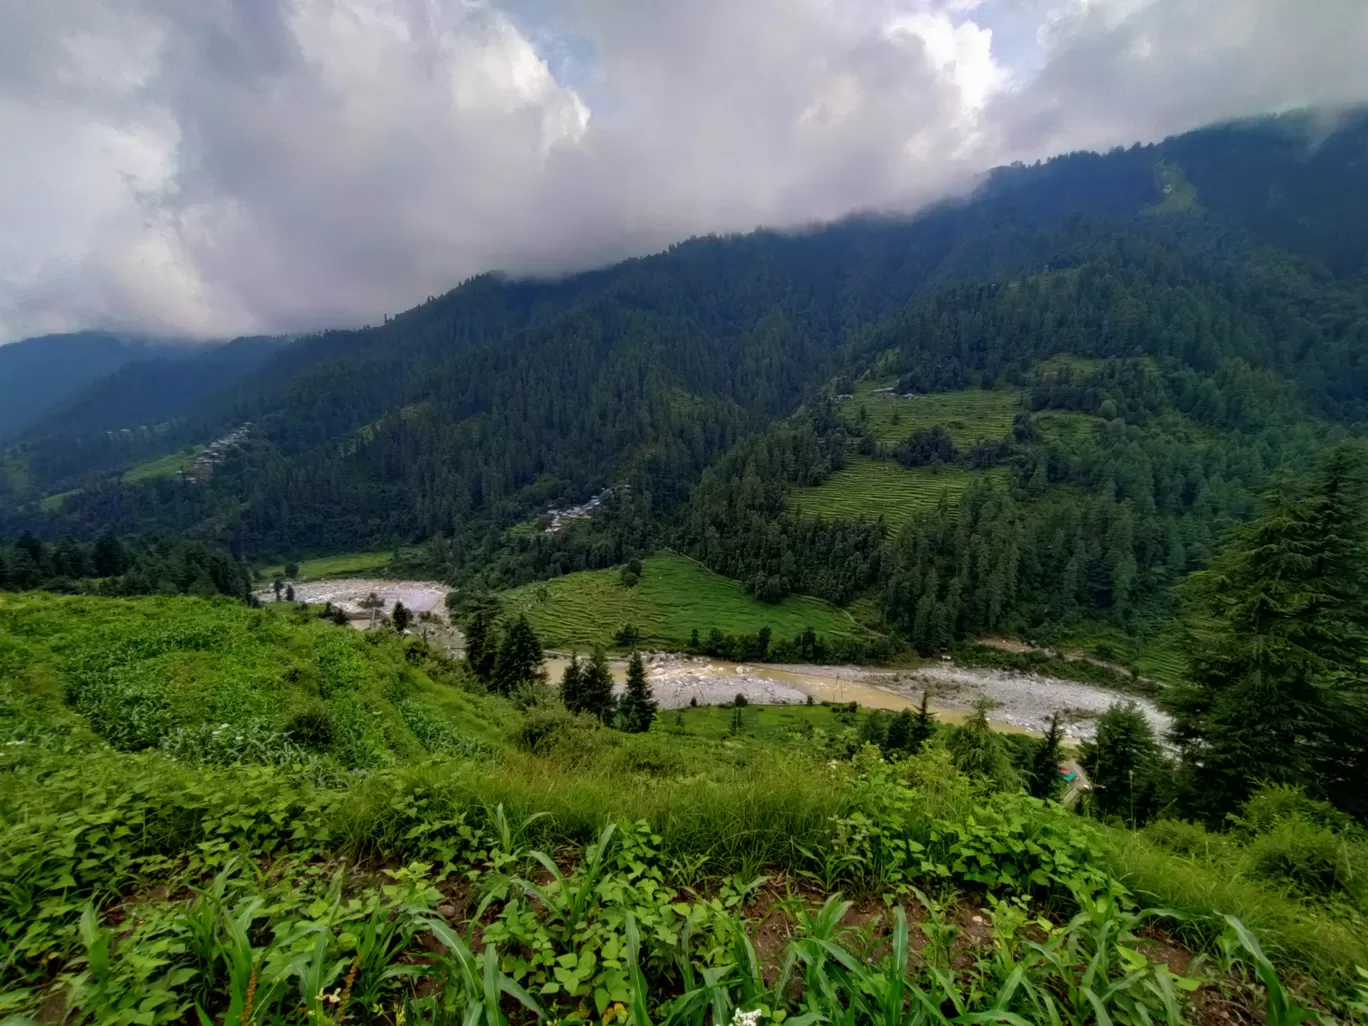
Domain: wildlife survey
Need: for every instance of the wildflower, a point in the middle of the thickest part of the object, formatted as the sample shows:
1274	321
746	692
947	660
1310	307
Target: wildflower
740	1018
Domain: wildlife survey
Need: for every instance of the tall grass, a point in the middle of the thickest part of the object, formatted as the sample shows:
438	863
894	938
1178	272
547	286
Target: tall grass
1324	945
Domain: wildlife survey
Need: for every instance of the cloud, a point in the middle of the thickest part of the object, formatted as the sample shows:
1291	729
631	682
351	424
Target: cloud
1121	70
228	166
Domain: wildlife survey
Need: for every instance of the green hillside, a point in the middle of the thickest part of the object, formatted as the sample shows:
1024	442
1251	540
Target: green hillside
674	597
213	681
171	465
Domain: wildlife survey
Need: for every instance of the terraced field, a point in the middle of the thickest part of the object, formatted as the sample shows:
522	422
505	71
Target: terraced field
866	489
674	596
971	414
1159	657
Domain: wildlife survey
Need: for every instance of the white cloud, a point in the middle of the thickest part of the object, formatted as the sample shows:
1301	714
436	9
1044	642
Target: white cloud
239	165
1120	70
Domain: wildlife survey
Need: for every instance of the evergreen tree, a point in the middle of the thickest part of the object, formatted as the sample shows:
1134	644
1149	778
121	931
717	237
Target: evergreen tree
899	737
481	645
202	586
520	658
596	687
979	750
638	706
1275	644
572	685
109	556
400	617
923	727
1045	781
289	593
70	560
278	585
1125	763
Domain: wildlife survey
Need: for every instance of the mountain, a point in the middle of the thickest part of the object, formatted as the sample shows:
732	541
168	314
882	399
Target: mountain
37	374
157	386
1114	354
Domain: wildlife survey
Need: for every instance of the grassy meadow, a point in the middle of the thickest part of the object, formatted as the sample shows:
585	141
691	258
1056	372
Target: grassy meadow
674	596
345	564
169	465
52	503
971	415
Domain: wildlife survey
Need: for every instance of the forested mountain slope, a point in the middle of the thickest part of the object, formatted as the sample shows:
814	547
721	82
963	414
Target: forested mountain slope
39	373
1208	289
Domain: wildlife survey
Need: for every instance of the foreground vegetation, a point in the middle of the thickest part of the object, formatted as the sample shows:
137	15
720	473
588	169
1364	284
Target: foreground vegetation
426	852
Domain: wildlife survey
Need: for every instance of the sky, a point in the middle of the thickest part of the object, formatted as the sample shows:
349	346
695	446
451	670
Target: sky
221	167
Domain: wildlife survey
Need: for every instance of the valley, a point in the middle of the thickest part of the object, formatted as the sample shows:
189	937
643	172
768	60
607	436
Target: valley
908	621
586	610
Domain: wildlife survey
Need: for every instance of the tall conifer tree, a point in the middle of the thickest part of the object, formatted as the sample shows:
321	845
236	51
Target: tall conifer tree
638	705
596	687
572	685
520	658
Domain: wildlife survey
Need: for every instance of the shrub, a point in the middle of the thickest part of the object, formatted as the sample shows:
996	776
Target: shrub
551	729
1311	859
1276	803
311	727
1186	838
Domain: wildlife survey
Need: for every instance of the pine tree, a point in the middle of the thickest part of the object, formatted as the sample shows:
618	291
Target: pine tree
289	593
899	737
638	706
923	727
109	556
979	750
1045	780
572	685
202	586
1275	642
400	617
1125	763
481	645
520	658
596	687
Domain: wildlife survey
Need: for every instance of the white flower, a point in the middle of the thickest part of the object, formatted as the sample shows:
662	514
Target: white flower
740	1018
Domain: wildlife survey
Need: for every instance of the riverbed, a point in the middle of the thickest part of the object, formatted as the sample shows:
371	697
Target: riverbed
1024	701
